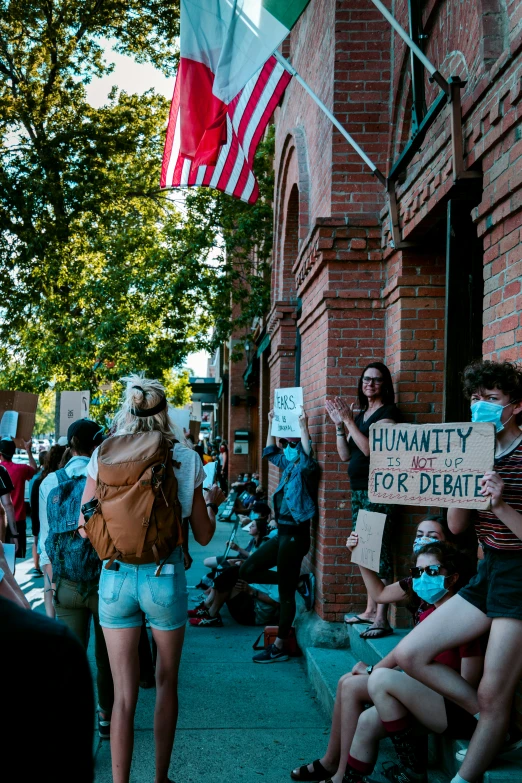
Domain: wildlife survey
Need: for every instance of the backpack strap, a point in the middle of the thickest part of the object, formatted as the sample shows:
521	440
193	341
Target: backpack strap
62	475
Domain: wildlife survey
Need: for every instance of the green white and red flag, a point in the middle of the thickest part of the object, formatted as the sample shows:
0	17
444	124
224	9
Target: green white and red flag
227	87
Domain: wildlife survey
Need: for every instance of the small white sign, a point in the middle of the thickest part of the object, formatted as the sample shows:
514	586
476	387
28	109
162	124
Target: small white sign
210	474
9	424
73	406
180	416
288	404
370	529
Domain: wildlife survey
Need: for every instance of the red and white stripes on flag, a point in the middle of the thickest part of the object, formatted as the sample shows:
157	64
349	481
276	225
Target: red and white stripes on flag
246	119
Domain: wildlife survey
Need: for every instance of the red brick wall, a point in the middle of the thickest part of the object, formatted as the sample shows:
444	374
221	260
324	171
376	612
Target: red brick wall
361	298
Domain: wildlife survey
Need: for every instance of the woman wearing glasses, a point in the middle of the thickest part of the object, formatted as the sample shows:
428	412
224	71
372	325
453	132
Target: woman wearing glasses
376	402
404	709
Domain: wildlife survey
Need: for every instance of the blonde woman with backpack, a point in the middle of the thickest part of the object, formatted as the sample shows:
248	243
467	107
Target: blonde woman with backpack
142	482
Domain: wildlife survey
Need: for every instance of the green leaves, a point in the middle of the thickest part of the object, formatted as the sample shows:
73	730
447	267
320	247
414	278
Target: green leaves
101	273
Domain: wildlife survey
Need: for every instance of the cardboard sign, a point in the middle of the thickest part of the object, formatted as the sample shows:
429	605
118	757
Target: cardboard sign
25	405
288	404
370	529
430	464
74	405
194	428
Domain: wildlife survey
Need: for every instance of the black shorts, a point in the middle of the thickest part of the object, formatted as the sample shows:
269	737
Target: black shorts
497	587
242	609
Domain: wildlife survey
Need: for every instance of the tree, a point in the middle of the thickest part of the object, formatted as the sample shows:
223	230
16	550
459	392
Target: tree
100	272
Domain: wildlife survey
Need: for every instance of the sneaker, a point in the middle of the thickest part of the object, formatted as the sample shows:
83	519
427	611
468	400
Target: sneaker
395	773
272	654
206	622
306	588
199	611
508	747
104	728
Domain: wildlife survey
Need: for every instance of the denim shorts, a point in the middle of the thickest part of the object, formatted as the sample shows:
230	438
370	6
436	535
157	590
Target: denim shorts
133	589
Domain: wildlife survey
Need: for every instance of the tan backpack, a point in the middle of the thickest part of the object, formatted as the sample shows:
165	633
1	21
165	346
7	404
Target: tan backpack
138	519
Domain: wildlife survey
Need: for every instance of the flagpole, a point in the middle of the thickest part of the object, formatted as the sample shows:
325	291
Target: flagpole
434	73
290	68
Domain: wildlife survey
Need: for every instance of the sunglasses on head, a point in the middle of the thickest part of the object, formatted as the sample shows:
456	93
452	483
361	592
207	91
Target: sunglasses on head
431	570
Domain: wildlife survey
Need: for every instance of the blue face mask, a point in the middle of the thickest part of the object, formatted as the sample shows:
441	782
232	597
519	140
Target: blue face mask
291	453
430	588
423	541
489	411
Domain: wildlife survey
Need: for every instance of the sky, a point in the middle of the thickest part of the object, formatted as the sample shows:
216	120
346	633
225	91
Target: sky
136	77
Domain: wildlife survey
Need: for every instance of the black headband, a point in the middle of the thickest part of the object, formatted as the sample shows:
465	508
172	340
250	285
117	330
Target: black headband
143	413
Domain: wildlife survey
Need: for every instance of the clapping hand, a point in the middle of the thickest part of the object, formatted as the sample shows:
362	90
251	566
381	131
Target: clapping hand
332	411
345	411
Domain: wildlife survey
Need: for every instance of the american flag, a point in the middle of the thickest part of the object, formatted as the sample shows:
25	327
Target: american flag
247	117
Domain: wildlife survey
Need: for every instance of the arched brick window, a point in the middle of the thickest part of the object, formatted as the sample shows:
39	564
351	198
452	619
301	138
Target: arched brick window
290	246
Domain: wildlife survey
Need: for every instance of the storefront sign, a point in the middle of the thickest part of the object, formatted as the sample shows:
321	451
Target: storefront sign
430	464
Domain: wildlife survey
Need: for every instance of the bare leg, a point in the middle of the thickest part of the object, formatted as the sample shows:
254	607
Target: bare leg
48	591
122	646
502	670
355	696
210	562
36	556
365	745
351	696
454	623
170	645
395	694
380	621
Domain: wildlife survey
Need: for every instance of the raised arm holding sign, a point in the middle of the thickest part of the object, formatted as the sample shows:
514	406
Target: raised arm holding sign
288	404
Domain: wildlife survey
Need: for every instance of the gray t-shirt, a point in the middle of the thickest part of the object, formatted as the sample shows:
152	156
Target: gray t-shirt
190	474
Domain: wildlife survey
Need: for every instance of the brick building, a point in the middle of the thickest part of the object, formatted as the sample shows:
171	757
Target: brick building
426	277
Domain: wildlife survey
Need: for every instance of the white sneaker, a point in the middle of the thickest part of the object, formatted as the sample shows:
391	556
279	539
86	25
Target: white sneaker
507	748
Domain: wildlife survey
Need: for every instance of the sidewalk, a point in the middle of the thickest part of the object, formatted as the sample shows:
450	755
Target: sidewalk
238	721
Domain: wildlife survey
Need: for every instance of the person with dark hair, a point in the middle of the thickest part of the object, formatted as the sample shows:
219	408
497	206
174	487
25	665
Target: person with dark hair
222	469
404	709
248	604
51	464
76	602
294	503
352	690
29	640
19	474
376	403
34	505
493	599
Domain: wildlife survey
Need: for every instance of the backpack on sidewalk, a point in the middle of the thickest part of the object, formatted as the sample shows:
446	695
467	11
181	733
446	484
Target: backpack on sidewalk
138	519
72	557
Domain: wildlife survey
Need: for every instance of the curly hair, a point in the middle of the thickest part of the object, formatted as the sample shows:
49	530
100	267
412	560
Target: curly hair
485	374
387	392
454	561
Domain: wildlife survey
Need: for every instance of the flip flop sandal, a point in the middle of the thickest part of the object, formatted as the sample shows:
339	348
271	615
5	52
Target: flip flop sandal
319	773
355	620
381	633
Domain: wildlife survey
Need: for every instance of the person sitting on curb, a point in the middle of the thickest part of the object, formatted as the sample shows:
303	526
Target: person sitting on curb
246	603
294	508
404	709
352	691
493	599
